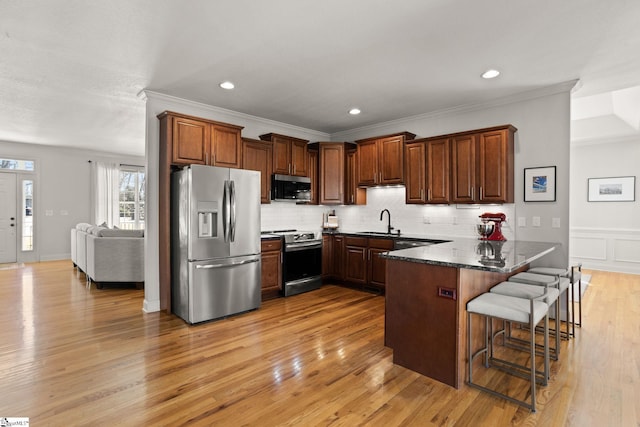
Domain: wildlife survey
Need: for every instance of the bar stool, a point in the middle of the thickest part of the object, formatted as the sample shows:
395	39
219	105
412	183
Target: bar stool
574	274
561	283
529	312
523	290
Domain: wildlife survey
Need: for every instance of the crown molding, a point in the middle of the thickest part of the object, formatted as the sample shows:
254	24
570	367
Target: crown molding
152	95
564	87
583	142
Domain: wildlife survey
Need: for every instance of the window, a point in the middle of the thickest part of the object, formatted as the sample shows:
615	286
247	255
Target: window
27	215
18	165
132	196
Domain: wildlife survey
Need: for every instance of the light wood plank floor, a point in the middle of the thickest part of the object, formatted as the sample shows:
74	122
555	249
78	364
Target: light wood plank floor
71	356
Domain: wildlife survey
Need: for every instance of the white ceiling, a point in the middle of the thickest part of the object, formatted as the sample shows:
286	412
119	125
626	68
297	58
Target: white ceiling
70	71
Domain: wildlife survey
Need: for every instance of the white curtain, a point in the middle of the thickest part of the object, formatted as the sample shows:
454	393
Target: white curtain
105	193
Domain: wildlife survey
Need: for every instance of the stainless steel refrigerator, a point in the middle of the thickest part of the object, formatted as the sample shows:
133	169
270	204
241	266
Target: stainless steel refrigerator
215	242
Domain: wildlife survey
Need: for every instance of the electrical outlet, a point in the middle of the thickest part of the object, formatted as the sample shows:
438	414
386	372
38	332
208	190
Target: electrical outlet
522	221
535	221
63	212
426	220
454	220
555	222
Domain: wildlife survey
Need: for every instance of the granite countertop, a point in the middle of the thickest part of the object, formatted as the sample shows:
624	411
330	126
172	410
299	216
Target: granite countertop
383	235
503	257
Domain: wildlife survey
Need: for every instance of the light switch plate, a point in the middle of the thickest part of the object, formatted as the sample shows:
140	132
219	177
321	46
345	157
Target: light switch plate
535	221
48	212
522	221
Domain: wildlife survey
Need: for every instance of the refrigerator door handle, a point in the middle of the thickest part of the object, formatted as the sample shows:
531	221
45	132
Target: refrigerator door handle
231	264
232	219
226	214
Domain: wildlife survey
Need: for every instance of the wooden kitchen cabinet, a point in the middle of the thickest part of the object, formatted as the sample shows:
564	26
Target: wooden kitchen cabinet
427	170
336	179
257	156
313	175
415	172
332	173
271	268
377	266
338	257
204	142
327	255
381	159
290	155
354	195
355	260
482	166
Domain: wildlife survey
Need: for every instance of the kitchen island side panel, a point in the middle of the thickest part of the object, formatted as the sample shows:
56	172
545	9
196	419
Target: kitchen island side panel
427	331
420	326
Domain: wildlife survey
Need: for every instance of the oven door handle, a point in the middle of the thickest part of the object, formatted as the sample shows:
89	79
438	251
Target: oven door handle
302	246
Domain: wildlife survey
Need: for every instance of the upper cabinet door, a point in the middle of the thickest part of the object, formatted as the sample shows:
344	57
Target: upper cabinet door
495	177
190	141
414	170
226	145
367	163
289	154
438	171
299	159
313	175
257	155
463	163
332	169
391	160
281	155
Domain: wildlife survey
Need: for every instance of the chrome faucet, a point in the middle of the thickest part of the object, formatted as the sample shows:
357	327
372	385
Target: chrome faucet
389	227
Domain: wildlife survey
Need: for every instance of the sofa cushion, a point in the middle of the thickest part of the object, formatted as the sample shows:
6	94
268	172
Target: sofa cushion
83	226
95	230
106	232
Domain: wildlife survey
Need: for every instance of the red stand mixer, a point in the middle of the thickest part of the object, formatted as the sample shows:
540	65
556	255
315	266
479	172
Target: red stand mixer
492	233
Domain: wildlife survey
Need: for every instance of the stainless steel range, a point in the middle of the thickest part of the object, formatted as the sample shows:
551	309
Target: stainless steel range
302	261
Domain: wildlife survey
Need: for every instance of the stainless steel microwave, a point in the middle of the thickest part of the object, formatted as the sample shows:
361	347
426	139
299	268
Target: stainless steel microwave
290	188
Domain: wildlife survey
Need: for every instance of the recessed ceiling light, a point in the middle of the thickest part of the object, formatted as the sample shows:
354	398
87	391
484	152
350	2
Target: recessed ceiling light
354	111
490	74
227	85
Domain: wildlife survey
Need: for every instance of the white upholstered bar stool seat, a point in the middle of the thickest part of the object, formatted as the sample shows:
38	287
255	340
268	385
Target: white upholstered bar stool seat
523	290
561	283
527	312
574	274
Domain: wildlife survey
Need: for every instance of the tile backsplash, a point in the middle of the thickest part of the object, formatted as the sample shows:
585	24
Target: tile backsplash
428	220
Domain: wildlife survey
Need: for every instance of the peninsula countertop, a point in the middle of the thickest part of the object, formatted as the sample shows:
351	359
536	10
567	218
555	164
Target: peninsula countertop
485	255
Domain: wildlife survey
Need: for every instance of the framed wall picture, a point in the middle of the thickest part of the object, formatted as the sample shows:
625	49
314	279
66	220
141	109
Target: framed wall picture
540	184
614	189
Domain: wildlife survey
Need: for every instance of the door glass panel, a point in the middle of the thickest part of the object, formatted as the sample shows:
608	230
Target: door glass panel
27	215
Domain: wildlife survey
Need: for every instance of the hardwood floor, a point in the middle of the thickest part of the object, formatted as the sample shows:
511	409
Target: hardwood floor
71	356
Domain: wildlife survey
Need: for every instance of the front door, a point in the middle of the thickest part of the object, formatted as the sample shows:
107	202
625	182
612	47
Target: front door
8	234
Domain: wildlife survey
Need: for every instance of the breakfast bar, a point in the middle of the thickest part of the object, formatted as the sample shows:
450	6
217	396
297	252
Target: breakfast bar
427	289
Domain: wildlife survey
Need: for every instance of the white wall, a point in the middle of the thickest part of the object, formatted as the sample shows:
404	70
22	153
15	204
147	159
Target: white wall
61	185
605	235
542	119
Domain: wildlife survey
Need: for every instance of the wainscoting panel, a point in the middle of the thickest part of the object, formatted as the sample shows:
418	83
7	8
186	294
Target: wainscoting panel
606	249
589	247
627	250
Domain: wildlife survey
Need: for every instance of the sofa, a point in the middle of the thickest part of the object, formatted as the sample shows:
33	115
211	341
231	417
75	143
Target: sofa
107	255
